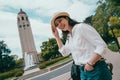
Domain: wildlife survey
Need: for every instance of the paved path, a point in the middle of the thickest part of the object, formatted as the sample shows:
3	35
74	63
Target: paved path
51	74
112	57
65	76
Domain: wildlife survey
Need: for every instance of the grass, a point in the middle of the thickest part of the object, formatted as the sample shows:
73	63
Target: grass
113	47
11	78
61	61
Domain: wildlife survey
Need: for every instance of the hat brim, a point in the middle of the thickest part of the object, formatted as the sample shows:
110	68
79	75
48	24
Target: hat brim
58	15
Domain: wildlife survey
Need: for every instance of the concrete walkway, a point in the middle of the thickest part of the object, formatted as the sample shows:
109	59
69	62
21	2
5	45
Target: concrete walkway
111	57
36	71
65	76
114	58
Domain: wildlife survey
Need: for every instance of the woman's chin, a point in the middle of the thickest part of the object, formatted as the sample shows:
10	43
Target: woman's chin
64	30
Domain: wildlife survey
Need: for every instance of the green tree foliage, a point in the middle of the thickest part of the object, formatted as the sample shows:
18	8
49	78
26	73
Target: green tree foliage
6	62
115	22
19	63
116	32
88	20
105	9
15	57
3	49
115	25
49	49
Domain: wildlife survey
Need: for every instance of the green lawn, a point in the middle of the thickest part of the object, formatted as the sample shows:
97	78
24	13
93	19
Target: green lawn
62	61
10	78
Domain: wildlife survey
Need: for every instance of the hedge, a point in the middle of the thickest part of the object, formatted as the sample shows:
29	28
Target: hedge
113	47
12	73
47	63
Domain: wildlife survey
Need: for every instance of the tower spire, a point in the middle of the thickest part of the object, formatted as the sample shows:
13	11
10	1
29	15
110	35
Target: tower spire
21	10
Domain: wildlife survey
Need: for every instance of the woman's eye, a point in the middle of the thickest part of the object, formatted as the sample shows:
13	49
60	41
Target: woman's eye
60	20
56	24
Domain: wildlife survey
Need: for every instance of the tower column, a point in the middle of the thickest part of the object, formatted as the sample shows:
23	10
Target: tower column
26	37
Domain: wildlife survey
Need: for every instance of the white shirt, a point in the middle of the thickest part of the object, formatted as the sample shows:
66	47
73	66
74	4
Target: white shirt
83	43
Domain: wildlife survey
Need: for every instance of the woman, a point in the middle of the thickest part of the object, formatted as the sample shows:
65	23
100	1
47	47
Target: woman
85	45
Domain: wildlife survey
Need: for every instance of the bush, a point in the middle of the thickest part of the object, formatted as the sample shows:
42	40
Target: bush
47	63
6	75
11	73
42	66
113	47
19	74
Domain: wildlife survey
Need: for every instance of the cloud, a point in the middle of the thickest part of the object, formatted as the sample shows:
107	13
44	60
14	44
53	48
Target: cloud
40	28
39	12
41	32
9	32
47	8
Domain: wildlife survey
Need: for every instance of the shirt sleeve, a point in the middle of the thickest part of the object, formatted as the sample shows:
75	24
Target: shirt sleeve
64	50
91	35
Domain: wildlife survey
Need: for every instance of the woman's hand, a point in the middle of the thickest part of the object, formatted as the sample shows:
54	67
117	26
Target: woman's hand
88	67
55	31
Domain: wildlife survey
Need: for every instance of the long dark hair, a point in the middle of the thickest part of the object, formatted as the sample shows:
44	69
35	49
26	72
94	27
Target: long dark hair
71	22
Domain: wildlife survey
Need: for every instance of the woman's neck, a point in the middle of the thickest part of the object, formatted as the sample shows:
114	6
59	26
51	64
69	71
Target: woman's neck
70	29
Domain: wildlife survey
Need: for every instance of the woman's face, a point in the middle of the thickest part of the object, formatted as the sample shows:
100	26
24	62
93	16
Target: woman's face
62	23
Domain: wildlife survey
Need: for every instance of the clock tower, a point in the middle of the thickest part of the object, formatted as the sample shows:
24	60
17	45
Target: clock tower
26	38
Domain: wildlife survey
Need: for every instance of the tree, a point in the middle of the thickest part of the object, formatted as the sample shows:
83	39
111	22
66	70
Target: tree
115	22
115	25
19	63
15	57
6	62
3	49
49	49
88	20
105	9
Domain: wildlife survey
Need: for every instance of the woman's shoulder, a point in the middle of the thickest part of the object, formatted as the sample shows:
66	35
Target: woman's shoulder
82	25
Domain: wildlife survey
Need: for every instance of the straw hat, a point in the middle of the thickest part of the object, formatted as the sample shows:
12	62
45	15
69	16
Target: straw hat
58	15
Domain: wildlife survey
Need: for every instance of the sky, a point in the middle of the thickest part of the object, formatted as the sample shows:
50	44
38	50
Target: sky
40	13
